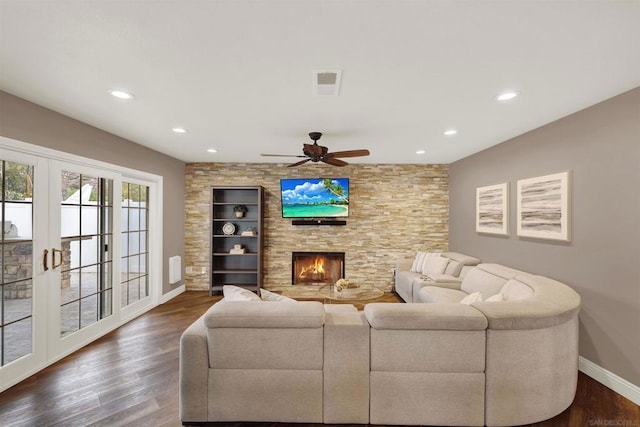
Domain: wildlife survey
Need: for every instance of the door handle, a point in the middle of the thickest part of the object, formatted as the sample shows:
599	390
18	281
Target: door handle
53	257
45	255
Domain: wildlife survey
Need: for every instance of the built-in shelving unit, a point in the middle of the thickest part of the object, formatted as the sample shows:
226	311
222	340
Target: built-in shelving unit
236	269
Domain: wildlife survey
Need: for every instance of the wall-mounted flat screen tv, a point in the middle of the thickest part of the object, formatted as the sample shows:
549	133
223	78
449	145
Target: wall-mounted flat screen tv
314	197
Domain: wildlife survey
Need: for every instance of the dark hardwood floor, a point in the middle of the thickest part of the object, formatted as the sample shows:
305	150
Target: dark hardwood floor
130	378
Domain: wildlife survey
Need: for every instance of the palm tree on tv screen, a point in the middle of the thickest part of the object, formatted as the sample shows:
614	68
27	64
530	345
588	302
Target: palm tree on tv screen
335	189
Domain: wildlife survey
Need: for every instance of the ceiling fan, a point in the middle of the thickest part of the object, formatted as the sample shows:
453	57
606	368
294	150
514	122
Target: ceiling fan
318	153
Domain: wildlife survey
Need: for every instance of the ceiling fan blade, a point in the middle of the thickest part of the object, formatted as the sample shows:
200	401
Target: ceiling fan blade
350	153
301	162
281	155
334	161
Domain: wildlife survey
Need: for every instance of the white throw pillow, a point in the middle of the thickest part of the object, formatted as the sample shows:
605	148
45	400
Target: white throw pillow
272	296
453	268
496	297
236	293
471	298
416	267
434	264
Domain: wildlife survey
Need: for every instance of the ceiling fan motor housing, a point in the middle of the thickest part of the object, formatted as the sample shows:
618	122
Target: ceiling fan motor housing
315	135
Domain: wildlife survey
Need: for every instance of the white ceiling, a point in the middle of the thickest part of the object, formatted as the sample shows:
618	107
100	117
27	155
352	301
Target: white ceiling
238	73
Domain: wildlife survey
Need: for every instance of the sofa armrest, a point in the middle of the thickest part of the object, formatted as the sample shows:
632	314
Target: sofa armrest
440	316
194	368
443	281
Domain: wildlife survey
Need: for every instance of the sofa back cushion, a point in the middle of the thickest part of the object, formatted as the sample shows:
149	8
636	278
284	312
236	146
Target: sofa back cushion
488	279
462	258
544	304
276	314
265	335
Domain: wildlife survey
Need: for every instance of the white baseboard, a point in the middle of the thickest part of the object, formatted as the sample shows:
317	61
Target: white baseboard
609	379
172	294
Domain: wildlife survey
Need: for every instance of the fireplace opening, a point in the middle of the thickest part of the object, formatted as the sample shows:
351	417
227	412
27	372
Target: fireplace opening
316	268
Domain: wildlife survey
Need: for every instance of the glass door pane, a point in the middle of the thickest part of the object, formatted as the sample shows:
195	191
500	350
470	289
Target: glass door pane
85	254
134	280
16	261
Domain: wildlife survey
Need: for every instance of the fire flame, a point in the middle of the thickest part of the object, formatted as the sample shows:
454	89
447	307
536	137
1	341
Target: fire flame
316	269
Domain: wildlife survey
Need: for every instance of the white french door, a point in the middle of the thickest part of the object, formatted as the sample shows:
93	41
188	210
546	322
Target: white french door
81	268
61	262
23	284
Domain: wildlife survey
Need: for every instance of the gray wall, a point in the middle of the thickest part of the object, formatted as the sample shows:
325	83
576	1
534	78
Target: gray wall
24	121
601	147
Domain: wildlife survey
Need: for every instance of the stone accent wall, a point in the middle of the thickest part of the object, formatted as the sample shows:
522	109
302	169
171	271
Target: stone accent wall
395	210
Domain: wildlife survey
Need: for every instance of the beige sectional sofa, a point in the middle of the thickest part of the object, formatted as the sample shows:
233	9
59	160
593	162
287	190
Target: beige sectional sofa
409	277
498	363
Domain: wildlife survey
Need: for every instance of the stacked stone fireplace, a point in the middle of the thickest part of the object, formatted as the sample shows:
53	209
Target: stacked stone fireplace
316	268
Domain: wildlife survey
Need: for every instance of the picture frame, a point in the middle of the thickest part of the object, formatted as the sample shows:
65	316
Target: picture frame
492	209
544	207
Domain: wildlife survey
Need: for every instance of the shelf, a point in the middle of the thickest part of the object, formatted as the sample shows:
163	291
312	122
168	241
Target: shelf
232	235
235	219
235	203
235	271
228	254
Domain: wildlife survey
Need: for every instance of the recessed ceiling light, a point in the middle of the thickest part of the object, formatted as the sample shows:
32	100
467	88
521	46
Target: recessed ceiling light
420	152
212	150
450	132
179	130
507	95
121	94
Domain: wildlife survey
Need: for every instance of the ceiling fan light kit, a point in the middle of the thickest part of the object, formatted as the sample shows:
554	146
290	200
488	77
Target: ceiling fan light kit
318	153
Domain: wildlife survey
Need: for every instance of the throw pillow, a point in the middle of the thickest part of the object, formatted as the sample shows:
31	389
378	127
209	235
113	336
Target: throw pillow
434	264
236	293
272	296
471	298
453	268
496	297
416	267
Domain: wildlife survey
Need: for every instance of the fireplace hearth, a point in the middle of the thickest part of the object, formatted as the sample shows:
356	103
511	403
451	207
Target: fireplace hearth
316	268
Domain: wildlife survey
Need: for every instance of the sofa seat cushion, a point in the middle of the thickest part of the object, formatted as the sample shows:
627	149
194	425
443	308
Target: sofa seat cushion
440	295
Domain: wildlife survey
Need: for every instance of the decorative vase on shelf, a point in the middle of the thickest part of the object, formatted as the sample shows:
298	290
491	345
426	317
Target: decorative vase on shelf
240	210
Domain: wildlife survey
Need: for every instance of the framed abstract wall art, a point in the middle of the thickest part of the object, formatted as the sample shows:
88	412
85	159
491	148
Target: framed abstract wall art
492	208
544	207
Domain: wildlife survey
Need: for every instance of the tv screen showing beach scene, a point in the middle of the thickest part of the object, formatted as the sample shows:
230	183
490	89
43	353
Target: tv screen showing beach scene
315	197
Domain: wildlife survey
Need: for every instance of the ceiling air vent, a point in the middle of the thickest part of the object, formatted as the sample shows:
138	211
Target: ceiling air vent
326	82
